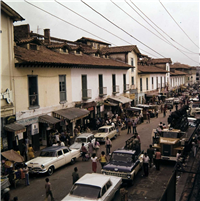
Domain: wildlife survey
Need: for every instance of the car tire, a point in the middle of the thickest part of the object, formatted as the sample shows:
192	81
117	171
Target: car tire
50	171
73	160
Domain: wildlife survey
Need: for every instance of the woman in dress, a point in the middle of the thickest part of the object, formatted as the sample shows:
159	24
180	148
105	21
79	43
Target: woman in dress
90	149
94	162
31	154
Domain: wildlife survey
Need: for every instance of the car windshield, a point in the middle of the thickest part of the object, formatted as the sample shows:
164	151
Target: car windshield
48	153
123	157
79	140
103	130
86	191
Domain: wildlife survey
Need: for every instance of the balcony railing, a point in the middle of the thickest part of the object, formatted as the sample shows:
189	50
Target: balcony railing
115	89
86	94
102	91
126	87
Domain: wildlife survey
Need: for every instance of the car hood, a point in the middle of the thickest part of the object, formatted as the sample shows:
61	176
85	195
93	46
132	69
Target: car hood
100	134
119	166
76	145
40	161
71	198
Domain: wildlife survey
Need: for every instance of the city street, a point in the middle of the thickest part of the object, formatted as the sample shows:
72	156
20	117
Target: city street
61	180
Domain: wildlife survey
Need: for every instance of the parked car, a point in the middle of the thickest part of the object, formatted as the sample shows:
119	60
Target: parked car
177	100
83	138
52	158
94	186
124	163
104	132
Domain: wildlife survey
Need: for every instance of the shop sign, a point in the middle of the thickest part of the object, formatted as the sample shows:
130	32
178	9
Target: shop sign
20	136
29	121
34	129
90	108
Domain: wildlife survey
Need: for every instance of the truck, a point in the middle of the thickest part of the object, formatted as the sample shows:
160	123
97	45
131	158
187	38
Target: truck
177	137
125	162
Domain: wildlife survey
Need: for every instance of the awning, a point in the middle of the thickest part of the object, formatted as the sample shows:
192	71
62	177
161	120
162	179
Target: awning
110	104
120	99
15	128
12	155
48	119
135	109
90	104
71	114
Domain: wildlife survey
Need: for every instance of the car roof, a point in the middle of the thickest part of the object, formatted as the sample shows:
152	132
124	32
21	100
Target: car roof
54	148
109	126
85	135
125	151
94	179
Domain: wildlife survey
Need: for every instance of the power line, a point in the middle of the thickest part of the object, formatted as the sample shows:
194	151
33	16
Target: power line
121	28
157	26
98	26
66	21
154	33
178	25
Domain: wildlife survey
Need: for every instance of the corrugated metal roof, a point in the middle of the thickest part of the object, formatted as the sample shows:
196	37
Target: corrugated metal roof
48	119
121	99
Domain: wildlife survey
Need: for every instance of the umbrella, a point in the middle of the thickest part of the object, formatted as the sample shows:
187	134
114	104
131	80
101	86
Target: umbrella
13	156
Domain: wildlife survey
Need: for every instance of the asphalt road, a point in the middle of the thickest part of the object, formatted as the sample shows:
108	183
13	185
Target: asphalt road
61	180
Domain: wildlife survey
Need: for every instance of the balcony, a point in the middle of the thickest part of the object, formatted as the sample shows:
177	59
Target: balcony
115	89
126	87
86	94
102	91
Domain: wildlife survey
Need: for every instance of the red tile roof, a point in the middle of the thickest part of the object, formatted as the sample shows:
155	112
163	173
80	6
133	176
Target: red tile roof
92	40
150	69
179	65
177	72
120	49
47	57
161	60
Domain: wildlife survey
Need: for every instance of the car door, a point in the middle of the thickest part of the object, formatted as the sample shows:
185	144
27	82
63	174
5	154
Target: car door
60	159
107	192
67	155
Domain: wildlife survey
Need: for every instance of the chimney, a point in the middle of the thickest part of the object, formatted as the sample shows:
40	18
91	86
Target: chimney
47	36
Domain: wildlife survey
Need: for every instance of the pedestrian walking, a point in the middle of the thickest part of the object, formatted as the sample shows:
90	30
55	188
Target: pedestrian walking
94	162
48	190
84	152
134	127
157	159
146	164
129	127
164	112
150	153
75	175
90	148
31	154
179	164
96	146
176	107
102	159
25	170
148	117
108	145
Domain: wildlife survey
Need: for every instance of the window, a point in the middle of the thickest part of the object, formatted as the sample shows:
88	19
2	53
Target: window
65	151
157	82
96	54
152	80
132	62
62	87
108	184
114	83
100	84
84	85
140	84
33	90
164	81
78	52
60	153
33	47
161	82
147	83
132	80
103	190
124	81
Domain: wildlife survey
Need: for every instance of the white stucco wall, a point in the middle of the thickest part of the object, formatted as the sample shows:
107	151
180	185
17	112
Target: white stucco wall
93	81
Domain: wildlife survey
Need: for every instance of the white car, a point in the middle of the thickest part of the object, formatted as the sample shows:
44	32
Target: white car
83	138
52	158
94	186
104	132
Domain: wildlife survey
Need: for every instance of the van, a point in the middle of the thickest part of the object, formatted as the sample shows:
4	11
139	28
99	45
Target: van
194	108
169	102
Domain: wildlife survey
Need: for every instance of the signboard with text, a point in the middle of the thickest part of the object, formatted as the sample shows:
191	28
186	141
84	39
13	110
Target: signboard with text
34	129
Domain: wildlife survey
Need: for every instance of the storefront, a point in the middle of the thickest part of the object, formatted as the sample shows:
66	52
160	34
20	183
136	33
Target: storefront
72	116
14	133
48	125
